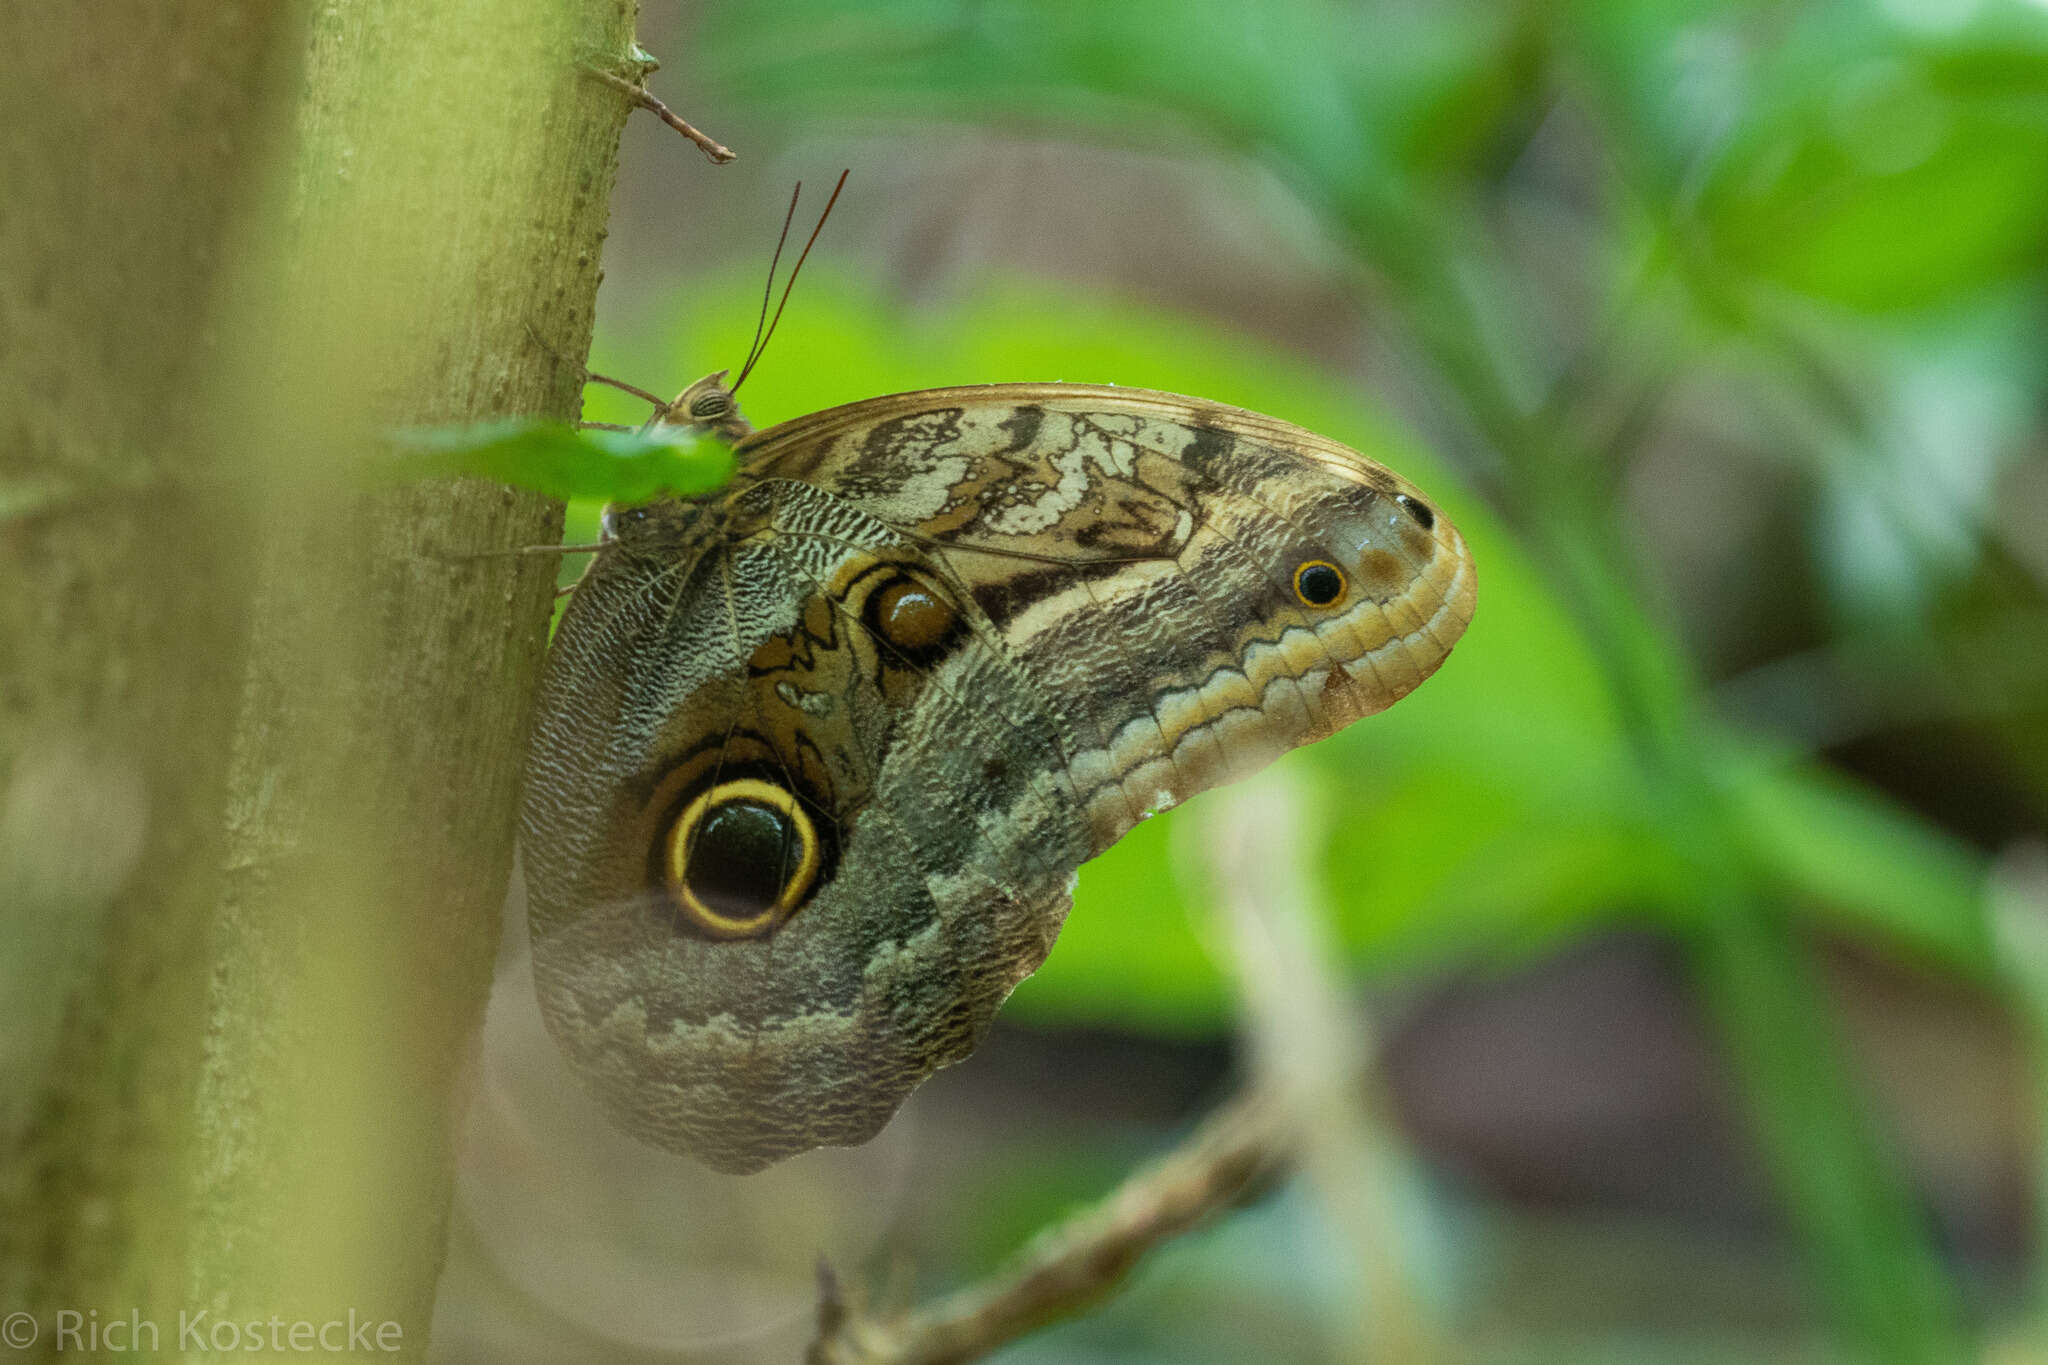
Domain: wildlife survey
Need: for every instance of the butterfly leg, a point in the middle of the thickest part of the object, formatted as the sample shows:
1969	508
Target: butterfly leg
590	549
623	387
660	405
523	551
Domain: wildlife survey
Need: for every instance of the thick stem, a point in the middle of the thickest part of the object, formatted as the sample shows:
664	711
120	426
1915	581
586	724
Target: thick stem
136	132
253	1074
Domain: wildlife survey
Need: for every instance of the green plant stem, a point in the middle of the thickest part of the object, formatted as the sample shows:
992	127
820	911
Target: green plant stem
1840	1186
446	201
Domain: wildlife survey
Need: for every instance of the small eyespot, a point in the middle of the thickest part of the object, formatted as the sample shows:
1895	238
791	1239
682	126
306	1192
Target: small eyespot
1318	583
911	615
739	859
909	612
1418	509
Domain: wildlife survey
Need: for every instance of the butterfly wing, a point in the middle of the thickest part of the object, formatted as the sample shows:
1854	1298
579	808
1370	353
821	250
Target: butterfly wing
816	759
1134	555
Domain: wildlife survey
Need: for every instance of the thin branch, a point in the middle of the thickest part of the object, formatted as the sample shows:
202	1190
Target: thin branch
1071	1265
710	146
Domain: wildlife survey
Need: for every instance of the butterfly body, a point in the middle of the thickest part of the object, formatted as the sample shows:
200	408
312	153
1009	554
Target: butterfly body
817	755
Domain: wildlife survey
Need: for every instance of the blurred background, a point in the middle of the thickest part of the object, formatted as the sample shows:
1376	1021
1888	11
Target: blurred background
1694	918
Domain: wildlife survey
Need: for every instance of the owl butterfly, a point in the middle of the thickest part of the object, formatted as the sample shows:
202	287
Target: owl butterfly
818	754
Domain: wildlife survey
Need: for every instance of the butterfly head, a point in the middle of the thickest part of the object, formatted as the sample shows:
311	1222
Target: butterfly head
709	408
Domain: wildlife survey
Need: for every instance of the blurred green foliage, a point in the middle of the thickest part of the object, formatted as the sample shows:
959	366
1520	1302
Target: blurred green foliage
1506	782
1507	785
1829	218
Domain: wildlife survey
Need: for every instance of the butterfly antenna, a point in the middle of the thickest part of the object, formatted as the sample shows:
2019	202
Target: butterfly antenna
768	290
754	354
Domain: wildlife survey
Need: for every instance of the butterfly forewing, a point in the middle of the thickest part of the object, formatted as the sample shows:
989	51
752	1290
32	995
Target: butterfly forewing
1135	553
818	755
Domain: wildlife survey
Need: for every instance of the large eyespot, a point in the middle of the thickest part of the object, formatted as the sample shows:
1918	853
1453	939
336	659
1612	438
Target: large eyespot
739	859
1318	583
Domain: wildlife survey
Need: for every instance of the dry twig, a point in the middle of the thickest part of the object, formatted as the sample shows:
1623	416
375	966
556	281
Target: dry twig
1074	1263
1302	1110
710	146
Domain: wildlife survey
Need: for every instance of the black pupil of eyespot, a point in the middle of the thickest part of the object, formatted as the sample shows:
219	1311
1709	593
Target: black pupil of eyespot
741	856
1419	510
1320	584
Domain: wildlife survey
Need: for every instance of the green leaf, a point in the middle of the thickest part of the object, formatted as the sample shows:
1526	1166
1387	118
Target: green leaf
563	461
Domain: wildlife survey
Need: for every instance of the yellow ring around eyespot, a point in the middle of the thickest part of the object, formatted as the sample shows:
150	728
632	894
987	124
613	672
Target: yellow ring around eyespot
1343	584
675	858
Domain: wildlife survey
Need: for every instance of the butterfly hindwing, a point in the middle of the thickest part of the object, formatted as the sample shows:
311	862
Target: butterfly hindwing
817	755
